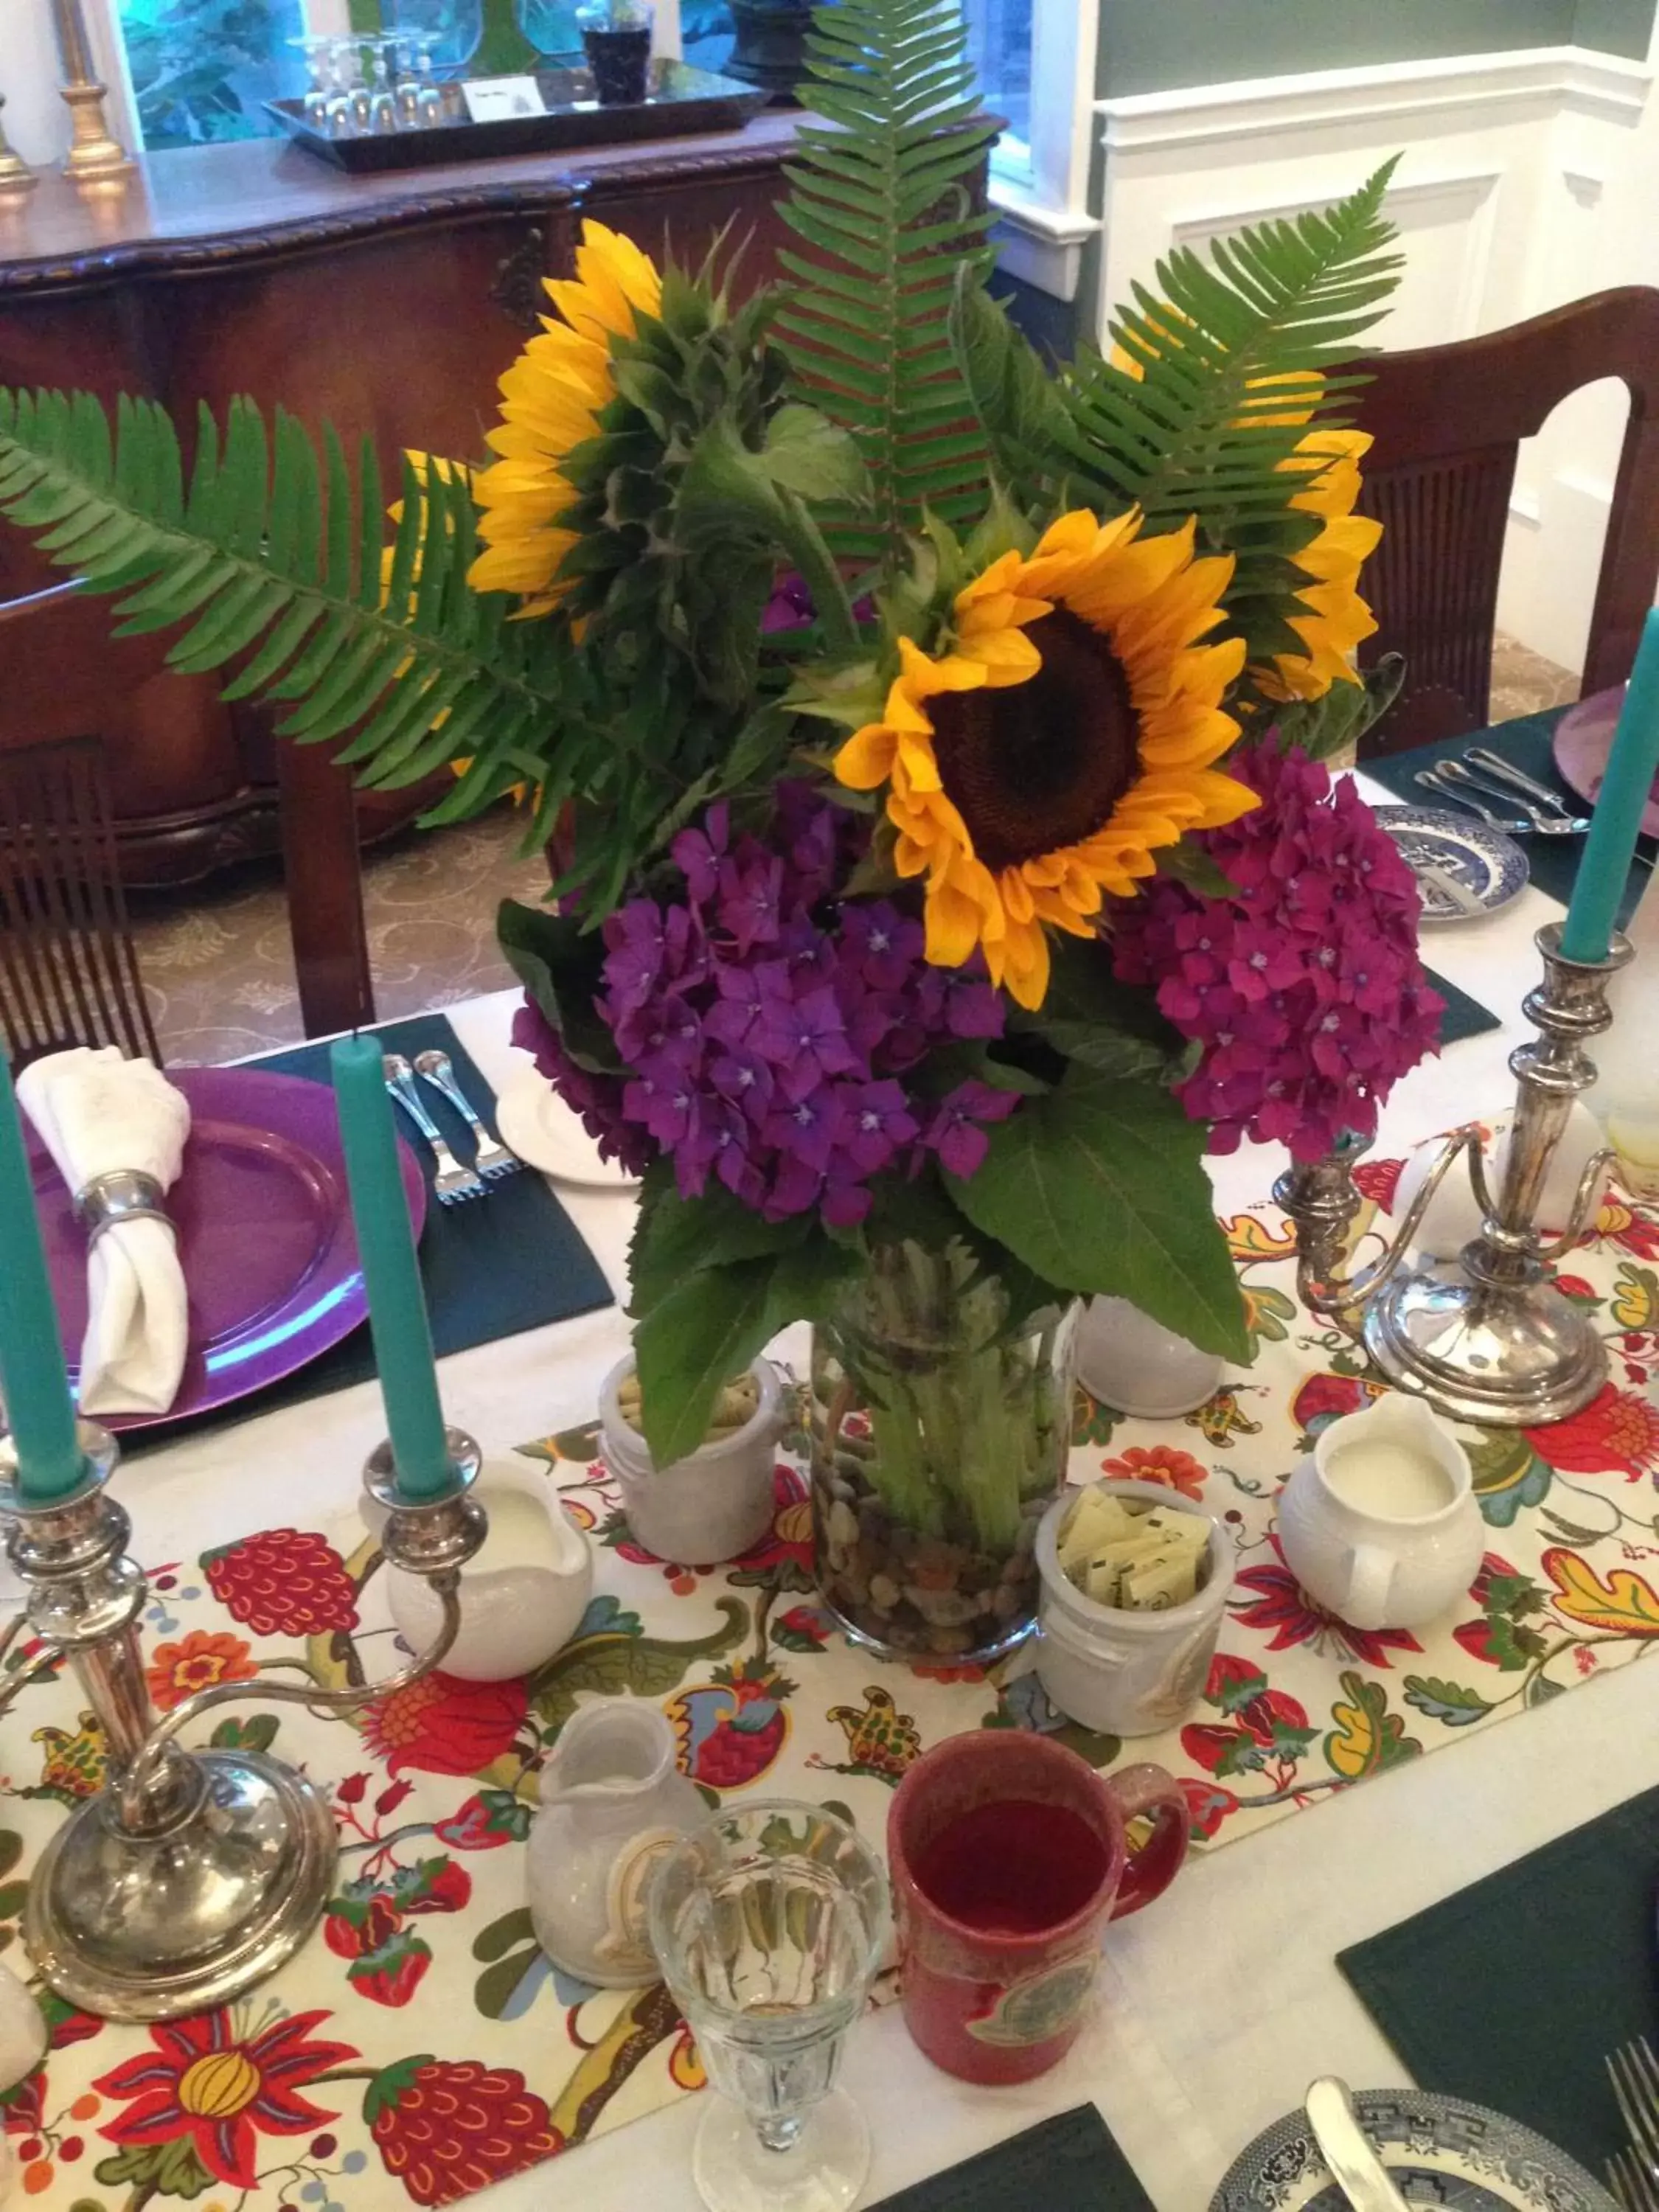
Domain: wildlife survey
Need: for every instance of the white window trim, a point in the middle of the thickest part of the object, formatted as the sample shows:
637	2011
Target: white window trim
1042	206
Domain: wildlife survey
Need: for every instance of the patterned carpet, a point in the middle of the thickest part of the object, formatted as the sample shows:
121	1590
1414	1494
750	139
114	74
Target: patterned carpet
219	970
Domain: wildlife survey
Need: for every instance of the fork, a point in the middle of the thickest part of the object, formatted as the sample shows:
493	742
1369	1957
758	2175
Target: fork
1631	2183
1634	2072
455	1183
491	1158
1557	818
1430	778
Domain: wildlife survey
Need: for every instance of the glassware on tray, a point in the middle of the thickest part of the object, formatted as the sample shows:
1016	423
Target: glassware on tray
455	27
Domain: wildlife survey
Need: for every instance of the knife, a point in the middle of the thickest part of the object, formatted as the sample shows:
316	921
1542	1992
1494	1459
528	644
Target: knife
1347	2150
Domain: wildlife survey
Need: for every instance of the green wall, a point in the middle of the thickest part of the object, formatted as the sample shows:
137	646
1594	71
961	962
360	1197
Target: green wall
1151	46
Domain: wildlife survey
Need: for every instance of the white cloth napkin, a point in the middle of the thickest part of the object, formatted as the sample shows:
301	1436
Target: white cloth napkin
98	1112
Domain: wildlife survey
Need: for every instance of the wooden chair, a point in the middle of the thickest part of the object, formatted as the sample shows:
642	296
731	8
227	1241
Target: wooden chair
68	973
1448	422
322	869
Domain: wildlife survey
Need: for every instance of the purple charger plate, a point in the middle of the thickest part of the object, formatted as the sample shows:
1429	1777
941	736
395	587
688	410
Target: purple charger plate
1584	738
265	1233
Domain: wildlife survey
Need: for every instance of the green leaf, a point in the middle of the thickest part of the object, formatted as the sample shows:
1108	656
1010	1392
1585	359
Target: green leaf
1189	863
504	1935
1088	1015
709	1328
1100	1187
808	453
677	1237
561	965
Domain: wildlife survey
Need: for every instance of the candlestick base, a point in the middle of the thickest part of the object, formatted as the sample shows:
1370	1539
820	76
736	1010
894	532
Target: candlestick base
1488	1338
148	1926
193	1874
1506	1356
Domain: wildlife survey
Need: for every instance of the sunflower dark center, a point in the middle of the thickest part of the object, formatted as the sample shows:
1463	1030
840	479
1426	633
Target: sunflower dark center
1035	766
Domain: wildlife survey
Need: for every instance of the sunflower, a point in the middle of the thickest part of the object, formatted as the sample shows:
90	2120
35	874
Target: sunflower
1334	619
550	402
1067	735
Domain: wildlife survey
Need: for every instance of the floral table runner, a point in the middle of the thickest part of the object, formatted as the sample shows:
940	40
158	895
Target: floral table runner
422	2046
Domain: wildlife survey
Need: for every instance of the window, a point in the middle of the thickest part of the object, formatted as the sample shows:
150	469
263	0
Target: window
1035	63
200	68
999	48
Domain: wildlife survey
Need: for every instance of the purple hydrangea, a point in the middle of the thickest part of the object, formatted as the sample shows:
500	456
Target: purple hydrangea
1304	990
768	1042
596	1098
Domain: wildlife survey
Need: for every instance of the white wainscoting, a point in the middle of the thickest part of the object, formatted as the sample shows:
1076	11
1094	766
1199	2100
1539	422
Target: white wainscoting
1526	179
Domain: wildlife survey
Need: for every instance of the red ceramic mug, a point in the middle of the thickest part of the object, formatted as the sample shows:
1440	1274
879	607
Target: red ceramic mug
1009	1856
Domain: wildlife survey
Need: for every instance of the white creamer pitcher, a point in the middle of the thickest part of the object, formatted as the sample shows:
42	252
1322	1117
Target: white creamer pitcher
1381	1524
613	1803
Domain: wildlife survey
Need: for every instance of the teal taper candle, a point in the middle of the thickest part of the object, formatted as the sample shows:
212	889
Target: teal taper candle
39	1408
1611	845
397	1307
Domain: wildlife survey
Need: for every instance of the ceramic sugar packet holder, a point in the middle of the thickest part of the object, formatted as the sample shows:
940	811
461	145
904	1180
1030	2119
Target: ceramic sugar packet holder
1381	1524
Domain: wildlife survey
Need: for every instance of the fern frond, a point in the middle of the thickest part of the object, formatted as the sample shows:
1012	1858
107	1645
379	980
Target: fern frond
254	550
1201	431
881	202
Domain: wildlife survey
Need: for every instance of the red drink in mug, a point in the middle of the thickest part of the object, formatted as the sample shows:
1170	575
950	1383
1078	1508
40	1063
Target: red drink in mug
1009	1857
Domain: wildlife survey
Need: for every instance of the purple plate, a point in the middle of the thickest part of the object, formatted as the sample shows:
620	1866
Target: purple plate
1584	738
265	1233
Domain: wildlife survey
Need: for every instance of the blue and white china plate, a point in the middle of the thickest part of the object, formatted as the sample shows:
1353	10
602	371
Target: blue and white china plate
1489	865
1439	2150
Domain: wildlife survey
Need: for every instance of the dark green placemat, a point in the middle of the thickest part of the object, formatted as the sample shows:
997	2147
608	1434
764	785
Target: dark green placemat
494	1267
1513	1992
1071	2163
1526	742
1464	1017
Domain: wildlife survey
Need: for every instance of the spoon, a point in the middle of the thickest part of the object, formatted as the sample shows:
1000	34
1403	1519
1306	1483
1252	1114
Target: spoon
1347	2150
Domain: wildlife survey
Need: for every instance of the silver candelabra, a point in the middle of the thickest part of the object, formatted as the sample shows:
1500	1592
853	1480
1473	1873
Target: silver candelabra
191	1875
1488	1338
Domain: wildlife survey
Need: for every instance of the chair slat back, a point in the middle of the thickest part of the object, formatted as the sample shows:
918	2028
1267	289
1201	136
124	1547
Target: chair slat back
1447	422
68	973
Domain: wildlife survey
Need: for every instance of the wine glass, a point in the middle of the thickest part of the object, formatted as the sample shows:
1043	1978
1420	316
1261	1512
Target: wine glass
455	28
768	1924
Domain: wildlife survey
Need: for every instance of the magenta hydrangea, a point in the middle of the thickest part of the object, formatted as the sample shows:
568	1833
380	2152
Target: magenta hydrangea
772	1039
1304	990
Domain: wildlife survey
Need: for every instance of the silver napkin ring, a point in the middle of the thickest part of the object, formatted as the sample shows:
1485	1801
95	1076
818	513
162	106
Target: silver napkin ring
123	1194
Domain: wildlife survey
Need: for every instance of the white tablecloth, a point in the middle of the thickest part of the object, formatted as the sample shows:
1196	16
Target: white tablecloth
1221	2002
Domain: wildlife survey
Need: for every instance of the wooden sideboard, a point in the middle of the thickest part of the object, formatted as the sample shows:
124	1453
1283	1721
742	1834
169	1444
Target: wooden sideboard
388	305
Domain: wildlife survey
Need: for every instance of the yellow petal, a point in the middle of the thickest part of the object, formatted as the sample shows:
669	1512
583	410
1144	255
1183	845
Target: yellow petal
866	761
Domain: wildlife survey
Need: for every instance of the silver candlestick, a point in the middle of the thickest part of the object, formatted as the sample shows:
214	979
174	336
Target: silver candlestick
1489	1338
193	1874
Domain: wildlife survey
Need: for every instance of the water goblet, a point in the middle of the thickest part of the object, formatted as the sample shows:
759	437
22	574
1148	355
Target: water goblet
382	111
314	106
768	1924
339	69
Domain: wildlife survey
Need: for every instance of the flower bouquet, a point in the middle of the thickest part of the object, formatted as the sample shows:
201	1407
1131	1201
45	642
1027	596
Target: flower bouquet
931	745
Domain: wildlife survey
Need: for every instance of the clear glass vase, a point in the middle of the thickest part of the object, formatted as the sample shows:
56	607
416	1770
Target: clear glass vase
940	1423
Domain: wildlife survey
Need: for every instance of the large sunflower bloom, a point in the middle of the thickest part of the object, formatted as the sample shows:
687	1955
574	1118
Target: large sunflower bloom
550	401
1335	619
1068	736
